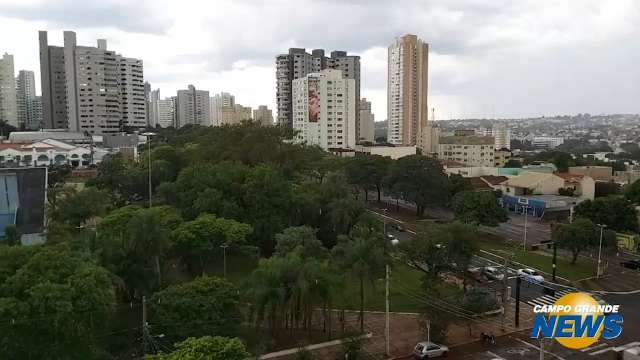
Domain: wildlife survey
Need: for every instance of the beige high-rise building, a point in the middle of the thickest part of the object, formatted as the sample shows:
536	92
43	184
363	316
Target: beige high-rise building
367	122
26	97
222	109
263	115
242	113
407	78
8	102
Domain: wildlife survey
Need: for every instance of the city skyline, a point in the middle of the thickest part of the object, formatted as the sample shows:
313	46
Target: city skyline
554	62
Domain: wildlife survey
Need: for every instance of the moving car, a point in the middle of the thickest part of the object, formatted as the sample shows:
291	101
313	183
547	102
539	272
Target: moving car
427	349
493	273
530	275
399	227
631	264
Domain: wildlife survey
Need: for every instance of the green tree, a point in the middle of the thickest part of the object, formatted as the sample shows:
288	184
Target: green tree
440	248
200	238
303	239
361	254
206	348
368	172
614	211
55	301
607	188
580	235
12	235
77	207
420	180
632	192
206	305
480	207
459	183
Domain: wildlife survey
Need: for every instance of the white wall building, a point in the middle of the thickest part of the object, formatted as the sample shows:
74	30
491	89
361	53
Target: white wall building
502	137
166	112
547	142
43	153
132	97
222	109
324	106
8	103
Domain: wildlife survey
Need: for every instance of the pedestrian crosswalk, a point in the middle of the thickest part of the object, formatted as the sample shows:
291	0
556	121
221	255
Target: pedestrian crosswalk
548	299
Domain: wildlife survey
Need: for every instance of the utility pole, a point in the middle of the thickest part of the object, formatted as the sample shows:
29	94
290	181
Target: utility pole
386	286
524	243
542	348
553	265
600	249
144	326
505	299
518	282
224	260
149	135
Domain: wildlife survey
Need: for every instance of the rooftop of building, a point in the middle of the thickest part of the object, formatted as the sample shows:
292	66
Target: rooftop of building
467	140
569	177
528	179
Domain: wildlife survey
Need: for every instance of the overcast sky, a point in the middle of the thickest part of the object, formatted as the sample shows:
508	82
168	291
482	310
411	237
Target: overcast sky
488	58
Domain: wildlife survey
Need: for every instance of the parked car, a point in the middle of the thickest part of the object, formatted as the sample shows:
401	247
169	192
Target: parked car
399	227
631	264
531	275
427	349
493	273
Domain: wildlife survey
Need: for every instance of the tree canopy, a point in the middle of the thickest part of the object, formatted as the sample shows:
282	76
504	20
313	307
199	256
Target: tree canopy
614	211
479	207
580	235
205	348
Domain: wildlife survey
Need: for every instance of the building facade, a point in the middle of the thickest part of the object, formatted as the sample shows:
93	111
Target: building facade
133	104
367	122
222	109
26	100
242	113
90	89
407	109
502	137
167	112
547	142
298	63
263	115
324	107
8	103
467	150
192	107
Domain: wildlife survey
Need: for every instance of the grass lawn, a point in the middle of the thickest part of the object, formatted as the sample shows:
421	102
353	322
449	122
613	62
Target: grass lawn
539	259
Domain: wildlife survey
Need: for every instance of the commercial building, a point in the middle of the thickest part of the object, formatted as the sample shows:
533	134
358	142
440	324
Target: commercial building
393	152
547	142
297	63
598	173
324	107
27	101
263	115
8	104
90	89
367	122
467	150
501	156
23	195
407	109
192	107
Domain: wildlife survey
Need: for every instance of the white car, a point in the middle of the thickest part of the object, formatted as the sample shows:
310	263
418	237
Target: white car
427	349
530	275
493	273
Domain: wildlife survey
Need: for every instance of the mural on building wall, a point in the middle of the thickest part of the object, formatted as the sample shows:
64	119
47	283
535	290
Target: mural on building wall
314	100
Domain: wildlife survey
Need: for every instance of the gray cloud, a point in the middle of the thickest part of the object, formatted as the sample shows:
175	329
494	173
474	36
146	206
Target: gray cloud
128	16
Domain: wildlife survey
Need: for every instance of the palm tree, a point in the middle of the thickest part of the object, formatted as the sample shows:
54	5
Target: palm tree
362	255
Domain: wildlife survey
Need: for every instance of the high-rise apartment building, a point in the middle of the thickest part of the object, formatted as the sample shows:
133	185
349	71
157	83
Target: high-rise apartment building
367	122
324	110
298	63
263	115
167	112
90	89
407	77
147	101
26	99
36	107
8	104
193	107
242	113
502	137
223	109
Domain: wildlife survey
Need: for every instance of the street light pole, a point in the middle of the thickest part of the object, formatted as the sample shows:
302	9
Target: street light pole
524	243
386	287
600	249
224	260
